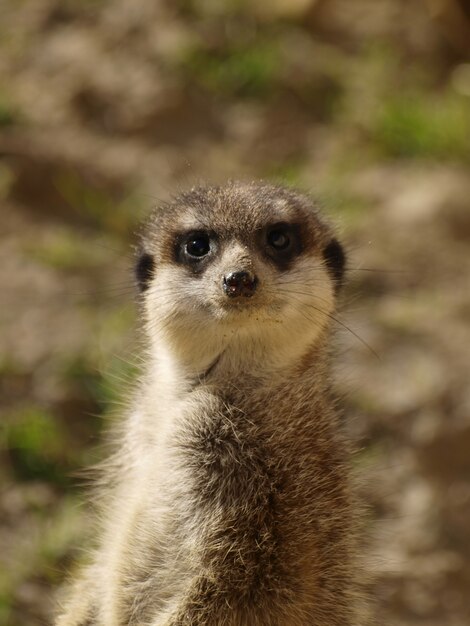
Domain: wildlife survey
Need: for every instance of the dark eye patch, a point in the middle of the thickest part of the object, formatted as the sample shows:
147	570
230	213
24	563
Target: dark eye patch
335	260
144	270
194	249
282	243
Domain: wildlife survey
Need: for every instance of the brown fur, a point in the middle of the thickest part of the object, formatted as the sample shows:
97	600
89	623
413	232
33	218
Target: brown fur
230	500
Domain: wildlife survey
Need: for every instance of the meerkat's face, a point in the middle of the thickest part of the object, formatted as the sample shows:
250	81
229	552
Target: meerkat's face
244	267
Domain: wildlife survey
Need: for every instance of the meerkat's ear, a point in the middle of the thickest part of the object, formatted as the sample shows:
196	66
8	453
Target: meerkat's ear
144	270
335	260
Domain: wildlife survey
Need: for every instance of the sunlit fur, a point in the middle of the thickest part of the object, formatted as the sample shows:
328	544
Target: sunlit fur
228	501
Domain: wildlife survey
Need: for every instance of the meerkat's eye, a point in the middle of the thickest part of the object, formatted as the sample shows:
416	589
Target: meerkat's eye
279	238
194	248
198	245
281	243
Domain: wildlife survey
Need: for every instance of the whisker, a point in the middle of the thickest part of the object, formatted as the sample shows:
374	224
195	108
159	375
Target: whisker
340	323
378	270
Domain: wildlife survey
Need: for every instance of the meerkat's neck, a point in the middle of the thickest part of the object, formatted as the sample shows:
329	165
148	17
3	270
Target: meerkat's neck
222	361
243	376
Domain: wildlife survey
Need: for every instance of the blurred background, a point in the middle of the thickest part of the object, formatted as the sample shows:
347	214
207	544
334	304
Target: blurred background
109	106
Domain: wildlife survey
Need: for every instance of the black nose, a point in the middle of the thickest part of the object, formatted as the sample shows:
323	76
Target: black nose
240	284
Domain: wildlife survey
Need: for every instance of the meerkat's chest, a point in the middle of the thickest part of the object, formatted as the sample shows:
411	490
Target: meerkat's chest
227	492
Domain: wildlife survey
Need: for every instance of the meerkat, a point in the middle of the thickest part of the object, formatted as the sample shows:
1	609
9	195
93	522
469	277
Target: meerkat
229	501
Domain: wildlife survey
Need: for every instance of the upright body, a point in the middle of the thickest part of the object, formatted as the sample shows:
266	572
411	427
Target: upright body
229	499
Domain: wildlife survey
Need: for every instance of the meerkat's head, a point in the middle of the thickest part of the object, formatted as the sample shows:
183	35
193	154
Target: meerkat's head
249	271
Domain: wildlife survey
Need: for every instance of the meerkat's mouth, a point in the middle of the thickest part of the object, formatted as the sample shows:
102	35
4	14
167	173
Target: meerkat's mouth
250	311
250	304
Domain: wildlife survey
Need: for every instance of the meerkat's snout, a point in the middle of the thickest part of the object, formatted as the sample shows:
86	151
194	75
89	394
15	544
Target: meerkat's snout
236	284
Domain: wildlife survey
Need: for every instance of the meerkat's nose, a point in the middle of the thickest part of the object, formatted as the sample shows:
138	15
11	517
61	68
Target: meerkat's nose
240	284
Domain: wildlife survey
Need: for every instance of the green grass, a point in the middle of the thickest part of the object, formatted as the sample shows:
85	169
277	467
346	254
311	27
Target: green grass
243	70
8	113
43	555
105	387
38	442
211	8
63	250
286	173
424	125
117	213
36	445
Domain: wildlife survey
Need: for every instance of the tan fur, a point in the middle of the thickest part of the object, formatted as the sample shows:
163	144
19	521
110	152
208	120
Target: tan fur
230	500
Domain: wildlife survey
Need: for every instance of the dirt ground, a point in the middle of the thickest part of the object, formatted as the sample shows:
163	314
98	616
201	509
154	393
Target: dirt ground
107	108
